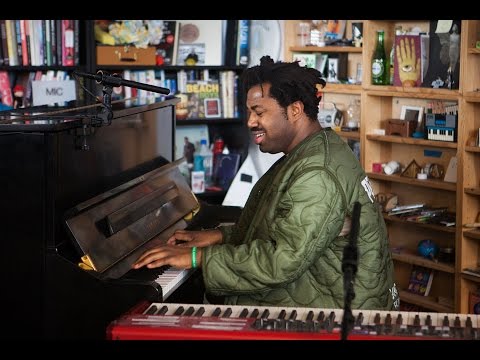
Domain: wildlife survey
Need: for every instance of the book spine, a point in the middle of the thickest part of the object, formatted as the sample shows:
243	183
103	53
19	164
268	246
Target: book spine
18	37
68	40
243	53
3	33
23	37
5	89
11	43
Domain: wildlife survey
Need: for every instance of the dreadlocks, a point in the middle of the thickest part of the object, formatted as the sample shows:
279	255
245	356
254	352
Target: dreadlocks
289	82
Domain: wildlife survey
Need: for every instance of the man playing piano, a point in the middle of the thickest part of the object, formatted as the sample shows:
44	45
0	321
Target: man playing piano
286	248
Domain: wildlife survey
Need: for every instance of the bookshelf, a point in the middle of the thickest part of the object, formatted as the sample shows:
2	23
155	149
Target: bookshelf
40	50
384	102
229	124
340	94
451	286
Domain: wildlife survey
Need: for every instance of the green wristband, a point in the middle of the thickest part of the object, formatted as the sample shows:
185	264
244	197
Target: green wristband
194	257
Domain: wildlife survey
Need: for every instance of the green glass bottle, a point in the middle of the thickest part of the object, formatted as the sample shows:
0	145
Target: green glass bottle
380	74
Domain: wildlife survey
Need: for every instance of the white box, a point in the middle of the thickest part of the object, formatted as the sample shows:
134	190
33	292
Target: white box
198	182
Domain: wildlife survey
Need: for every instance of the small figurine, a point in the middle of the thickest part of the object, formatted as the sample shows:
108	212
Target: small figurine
18	92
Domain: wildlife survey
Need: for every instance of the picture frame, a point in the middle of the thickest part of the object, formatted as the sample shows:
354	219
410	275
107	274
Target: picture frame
412	113
212	107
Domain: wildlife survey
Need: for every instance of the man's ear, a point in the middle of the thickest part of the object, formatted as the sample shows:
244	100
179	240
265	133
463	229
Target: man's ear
296	109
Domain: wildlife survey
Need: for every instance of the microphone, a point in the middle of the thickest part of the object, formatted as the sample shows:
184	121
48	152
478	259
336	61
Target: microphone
114	80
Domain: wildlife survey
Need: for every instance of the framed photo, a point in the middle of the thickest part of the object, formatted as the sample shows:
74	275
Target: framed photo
212	107
412	113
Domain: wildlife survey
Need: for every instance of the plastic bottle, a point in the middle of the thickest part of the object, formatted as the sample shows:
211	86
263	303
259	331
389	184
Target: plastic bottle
207	155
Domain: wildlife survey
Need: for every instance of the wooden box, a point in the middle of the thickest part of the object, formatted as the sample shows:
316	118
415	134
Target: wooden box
125	55
400	127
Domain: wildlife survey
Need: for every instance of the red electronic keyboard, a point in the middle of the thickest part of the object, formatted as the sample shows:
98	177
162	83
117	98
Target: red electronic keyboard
163	321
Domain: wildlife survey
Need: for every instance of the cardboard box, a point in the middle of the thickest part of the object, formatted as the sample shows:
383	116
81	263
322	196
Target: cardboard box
125	55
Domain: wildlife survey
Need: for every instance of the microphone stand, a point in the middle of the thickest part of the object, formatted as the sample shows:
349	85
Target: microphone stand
105	115
349	268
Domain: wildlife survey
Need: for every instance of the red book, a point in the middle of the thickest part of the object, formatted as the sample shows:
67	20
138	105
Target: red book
68	43
5	89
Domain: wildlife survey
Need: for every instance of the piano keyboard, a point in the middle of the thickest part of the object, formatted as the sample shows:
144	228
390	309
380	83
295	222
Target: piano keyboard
439	133
171	278
201	321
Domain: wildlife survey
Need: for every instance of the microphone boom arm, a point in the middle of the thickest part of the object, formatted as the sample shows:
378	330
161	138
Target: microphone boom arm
110	81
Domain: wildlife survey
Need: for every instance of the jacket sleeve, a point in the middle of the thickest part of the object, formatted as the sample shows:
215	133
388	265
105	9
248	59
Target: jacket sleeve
308	216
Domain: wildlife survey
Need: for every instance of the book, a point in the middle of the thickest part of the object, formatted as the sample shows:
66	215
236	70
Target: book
200	94
420	280
191	134
474	302
407	50
166	48
226	167
243	52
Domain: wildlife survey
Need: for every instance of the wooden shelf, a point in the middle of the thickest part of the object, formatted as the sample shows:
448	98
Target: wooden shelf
326	49
432	184
472	234
424	301
171	67
411	141
222	121
351	89
472	96
412	92
41	68
353	135
421	261
470	277
472	191
447	229
472	148
473	50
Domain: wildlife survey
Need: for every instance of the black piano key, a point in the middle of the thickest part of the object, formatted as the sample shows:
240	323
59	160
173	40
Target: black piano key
227	313
282	314
293	315
254	313
265	314
359	320
151	310
163	310
200	311
216	312
179	310
310	315
416	320
189	311
428	321
445	322
244	313
399	320
321	316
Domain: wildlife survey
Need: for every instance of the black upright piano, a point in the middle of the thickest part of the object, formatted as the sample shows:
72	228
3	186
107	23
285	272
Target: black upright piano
48	166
